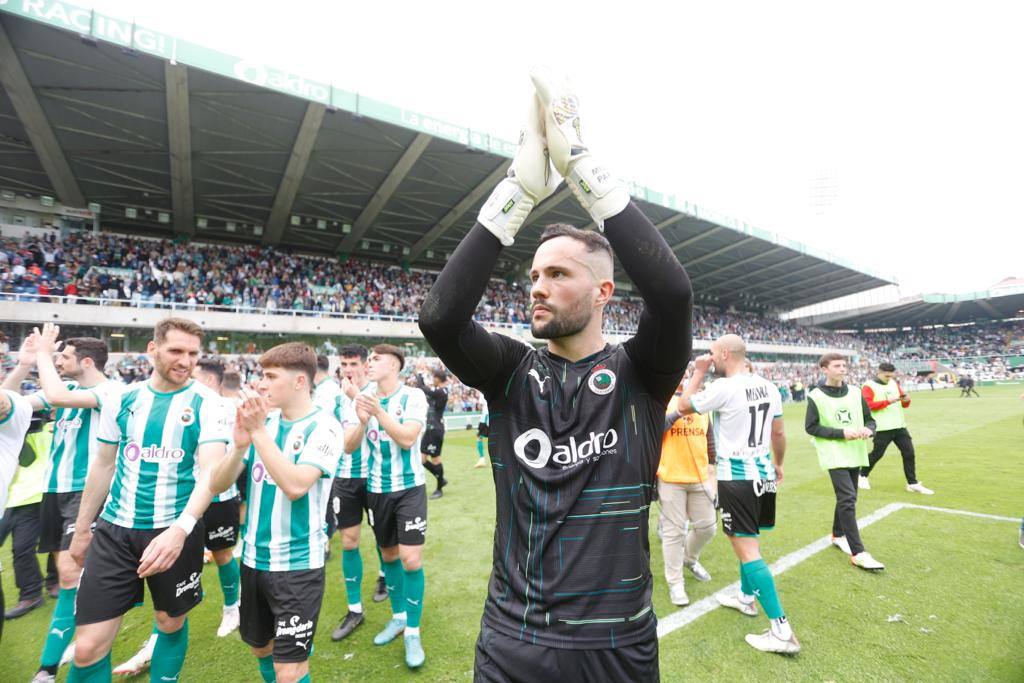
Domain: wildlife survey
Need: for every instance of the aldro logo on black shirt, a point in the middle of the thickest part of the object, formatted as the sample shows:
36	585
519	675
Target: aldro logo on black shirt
590	449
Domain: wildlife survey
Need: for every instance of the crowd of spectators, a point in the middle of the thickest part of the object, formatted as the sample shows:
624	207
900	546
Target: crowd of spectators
113	269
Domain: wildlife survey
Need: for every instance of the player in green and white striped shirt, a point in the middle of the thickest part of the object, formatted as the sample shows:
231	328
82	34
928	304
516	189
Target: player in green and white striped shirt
159	441
78	398
391	419
289	449
348	495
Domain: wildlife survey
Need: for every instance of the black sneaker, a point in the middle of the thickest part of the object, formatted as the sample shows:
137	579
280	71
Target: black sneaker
436	494
381	594
23	608
350	623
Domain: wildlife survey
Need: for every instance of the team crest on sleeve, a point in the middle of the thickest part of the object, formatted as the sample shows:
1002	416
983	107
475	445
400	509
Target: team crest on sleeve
187	416
601	381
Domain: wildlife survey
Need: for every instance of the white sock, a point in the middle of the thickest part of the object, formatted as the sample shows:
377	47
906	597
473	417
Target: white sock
231	608
399	615
380	573
781	628
746	599
410	631
357	608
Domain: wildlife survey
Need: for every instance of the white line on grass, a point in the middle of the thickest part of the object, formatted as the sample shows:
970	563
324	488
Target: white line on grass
681	618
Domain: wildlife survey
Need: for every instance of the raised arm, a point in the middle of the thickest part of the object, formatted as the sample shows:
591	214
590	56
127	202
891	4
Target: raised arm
446	317
663	342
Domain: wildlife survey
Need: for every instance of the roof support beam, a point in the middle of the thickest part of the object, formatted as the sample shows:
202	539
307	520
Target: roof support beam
951	313
718	252
179	144
40	133
293	173
734	264
387	188
696	238
458	211
833	291
755	285
989	308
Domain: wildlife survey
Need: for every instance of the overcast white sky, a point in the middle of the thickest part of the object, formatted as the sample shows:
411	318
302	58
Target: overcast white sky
891	133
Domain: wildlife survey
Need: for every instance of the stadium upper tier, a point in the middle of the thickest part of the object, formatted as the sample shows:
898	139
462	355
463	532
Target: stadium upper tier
160	136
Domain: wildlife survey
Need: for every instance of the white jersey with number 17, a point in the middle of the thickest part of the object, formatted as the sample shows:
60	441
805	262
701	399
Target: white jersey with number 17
744	407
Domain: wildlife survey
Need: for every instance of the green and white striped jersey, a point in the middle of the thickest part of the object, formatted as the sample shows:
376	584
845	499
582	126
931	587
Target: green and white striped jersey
157	435
325	394
391	467
282	534
353	465
74	439
229	414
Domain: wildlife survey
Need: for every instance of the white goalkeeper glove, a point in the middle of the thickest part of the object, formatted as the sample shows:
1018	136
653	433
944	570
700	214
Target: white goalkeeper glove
600	193
531	180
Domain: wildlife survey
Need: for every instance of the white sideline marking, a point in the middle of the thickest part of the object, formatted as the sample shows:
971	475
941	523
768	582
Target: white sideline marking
689	614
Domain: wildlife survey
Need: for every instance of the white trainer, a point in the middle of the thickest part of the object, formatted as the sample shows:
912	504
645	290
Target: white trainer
865	561
863	483
733	601
139	662
677	595
920	488
841	543
228	621
769	642
43	677
698	571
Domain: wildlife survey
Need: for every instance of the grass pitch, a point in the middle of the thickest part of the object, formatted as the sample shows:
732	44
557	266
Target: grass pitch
948	606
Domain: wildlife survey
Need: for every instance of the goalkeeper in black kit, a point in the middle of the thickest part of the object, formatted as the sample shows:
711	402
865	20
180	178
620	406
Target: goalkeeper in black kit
575	433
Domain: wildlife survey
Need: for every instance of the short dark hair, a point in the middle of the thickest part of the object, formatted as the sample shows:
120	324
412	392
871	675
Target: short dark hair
391	350
354	351
232	381
291	356
828	358
323	363
593	241
440	375
89	347
213	367
886	367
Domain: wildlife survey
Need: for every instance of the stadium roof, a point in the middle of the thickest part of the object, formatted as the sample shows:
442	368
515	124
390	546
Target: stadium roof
1004	300
163	136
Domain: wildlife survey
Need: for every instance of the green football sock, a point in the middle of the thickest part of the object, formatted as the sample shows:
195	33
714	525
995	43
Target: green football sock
169	654
414	585
352	568
267	669
62	628
229	579
763	585
394	576
100	672
305	679
745	587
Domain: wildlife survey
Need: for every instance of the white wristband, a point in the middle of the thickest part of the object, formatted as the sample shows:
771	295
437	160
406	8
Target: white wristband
186	523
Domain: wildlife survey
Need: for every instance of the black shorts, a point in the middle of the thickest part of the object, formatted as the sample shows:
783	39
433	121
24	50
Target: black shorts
243	484
221	521
399	517
748	506
57	516
283	607
111	585
433	440
501	659
348	500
